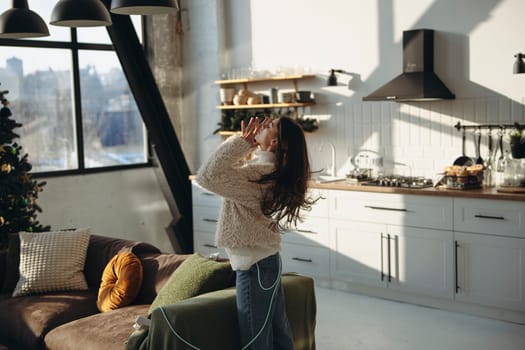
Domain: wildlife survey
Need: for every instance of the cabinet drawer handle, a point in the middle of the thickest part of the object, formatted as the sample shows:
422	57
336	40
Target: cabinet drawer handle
306	231
456	246
382	272
384	208
210	220
207	245
388	250
489	217
302	259
208	194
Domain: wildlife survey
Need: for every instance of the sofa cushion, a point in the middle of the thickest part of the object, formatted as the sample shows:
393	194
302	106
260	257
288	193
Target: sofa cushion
102	249
121	282
195	276
108	330
52	261
25	320
157	269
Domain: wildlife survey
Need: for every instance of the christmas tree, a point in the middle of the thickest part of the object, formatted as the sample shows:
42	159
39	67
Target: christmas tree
18	192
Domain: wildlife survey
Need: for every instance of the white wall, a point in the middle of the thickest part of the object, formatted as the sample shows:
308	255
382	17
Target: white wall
125	204
474	46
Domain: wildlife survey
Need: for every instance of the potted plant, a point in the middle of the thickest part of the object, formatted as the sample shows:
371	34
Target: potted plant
517	142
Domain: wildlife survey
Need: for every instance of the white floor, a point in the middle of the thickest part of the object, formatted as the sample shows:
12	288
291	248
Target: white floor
350	321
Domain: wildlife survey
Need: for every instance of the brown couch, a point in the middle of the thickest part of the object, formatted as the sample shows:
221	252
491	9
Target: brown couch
71	320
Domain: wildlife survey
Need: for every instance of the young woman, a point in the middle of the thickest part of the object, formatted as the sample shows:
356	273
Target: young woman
260	194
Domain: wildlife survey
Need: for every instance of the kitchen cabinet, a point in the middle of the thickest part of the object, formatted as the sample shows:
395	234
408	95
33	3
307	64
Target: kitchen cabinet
206	206
491	270
250	83
449	252
305	248
490	253
391	241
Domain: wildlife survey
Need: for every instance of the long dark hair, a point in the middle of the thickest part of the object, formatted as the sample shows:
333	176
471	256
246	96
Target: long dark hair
284	200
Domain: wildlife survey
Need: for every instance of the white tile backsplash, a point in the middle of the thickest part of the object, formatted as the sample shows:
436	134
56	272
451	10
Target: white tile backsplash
417	138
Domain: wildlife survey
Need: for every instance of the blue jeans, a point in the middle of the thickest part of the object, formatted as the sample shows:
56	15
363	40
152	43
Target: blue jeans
261	307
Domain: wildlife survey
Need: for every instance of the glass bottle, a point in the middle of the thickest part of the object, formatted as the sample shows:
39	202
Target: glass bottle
508	170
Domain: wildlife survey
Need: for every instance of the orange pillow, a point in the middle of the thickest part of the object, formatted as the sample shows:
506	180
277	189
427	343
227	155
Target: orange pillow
121	282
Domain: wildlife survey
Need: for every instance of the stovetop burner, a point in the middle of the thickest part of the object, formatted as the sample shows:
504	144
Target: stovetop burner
415	182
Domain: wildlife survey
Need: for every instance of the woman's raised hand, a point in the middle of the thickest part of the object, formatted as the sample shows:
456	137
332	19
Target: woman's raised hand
249	131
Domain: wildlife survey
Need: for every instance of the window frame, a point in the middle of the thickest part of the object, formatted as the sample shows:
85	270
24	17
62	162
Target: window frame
74	47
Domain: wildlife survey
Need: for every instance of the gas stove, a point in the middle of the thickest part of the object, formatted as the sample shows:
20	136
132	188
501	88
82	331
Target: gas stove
414	182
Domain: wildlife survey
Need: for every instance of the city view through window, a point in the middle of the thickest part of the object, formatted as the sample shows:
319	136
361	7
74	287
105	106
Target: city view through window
42	100
108	130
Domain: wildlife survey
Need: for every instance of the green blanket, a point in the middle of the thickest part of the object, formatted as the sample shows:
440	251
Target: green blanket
209	321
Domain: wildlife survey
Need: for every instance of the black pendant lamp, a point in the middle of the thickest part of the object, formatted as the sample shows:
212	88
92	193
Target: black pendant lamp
20	22
519	65
143	7
80	13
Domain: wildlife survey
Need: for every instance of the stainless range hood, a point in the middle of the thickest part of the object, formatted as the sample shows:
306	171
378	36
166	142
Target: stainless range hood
418	82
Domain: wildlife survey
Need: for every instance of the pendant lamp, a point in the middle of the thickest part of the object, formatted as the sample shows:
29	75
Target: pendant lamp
519	65
80	13
143	7
21	22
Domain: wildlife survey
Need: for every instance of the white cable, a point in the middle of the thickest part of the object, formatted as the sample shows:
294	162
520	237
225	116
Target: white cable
275	285
174	332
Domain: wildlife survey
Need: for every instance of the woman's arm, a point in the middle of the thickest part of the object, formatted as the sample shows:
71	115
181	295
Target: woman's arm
224	173
223	164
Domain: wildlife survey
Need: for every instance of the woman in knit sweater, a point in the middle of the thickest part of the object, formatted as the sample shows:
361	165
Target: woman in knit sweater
260	195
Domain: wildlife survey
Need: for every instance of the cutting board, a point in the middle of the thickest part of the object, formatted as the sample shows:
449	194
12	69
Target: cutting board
510	189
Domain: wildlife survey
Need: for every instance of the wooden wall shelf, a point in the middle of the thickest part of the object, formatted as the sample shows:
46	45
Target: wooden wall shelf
268	105
263	79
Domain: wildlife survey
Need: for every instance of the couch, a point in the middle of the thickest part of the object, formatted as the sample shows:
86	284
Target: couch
71	320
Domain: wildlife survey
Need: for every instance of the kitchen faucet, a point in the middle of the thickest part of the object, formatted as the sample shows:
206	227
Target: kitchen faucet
331	171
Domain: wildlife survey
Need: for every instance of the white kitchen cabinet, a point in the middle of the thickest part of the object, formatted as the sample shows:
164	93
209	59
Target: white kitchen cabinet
447	252
395	209
422	261
491	270
206	206
391	240
490	253
305	248
307	260
415	260
357	252
494	217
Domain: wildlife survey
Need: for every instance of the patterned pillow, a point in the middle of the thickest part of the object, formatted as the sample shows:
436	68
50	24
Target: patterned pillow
52	261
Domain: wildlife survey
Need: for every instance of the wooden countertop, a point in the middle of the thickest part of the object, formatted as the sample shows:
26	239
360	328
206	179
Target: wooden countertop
483	193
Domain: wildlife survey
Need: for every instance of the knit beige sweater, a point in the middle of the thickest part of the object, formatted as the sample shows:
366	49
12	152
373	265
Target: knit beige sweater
242	225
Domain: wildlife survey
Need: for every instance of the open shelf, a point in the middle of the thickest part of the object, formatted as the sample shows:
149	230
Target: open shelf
263	79
268	105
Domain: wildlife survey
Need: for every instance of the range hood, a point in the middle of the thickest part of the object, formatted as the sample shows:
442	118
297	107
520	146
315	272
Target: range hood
418	82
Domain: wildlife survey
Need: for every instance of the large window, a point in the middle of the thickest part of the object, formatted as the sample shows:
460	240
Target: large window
70	93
